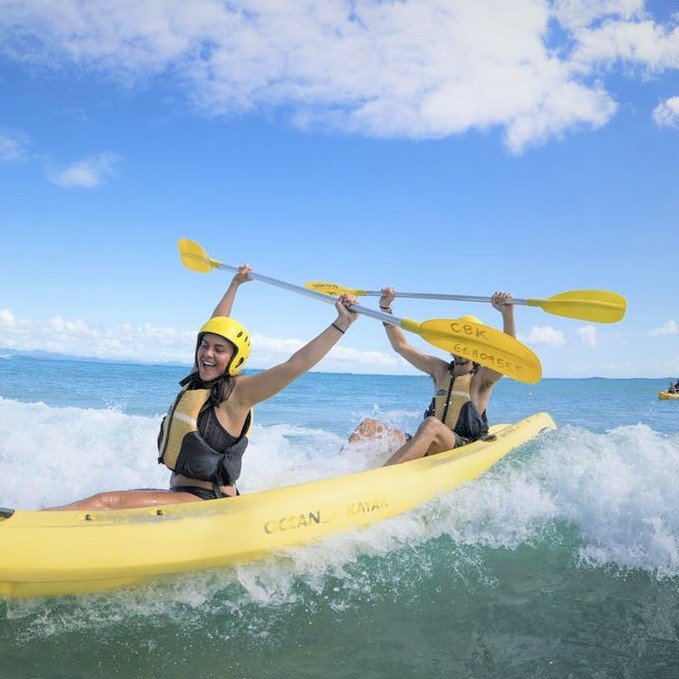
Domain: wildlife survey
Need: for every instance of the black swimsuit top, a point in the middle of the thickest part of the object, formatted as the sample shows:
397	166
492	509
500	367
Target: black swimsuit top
211	429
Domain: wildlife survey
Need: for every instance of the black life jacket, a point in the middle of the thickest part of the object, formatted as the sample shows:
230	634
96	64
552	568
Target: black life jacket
192	442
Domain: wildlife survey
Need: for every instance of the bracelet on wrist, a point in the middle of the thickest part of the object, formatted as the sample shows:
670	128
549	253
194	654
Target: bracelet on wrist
386	308
334	325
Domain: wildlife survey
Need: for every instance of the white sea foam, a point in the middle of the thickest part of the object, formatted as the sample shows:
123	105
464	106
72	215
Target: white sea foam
50	455
406	420
617	492
621	491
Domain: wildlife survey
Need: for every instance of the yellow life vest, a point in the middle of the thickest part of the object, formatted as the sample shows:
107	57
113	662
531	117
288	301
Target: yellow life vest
449	399
183	449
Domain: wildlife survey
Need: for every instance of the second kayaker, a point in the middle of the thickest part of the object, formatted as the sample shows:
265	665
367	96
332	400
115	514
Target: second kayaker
457	413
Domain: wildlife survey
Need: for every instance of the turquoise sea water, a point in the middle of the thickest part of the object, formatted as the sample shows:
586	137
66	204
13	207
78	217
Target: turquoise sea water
563	560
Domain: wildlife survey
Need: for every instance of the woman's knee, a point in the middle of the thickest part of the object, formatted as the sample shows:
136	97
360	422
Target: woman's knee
105	501
131	499
430	426
367	429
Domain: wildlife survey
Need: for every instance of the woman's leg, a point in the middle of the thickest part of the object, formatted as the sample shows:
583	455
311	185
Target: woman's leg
431	437
128	499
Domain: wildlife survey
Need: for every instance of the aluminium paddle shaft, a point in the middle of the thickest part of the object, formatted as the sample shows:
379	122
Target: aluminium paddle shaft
433	295
300	290
600	306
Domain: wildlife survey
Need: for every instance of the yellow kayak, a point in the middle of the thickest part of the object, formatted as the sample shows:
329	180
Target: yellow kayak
663	395
74	552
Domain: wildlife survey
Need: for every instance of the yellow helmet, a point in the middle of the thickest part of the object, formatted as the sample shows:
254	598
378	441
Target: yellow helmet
233	332
471	319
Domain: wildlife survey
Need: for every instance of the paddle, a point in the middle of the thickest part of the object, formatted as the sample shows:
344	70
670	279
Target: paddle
599	306
482	344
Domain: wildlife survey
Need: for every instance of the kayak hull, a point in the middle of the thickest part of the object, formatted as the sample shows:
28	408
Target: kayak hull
76	552
664	396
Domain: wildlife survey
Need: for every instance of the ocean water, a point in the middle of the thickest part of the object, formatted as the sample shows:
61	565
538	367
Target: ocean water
561	561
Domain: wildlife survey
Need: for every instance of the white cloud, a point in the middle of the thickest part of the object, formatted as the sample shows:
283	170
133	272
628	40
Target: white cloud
70	327
347	355
13	147
7	318
666	114
87	173
14	330
414	69
588	335
268	351
152	344
670	328
145	343
545	335
580	13
644	44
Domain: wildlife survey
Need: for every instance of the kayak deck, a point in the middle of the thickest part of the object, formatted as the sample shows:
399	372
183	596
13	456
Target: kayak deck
74	552
666	396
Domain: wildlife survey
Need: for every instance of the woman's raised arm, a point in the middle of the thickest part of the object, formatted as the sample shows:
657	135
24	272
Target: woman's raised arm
252	389
225	304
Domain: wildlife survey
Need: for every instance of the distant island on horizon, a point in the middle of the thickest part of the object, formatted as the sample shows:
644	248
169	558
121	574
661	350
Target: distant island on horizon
40	354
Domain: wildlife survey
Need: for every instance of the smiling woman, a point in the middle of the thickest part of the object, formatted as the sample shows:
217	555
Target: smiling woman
193	441
215	353
197	440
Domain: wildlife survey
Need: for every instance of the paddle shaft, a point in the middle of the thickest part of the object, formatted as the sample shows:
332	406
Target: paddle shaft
428	295
356	308
549	305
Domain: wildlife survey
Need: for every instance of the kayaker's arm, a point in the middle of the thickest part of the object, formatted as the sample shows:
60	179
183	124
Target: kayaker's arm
425	363
486	377
252	389
226	302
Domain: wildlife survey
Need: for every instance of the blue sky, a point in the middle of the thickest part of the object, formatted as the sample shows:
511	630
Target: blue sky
437	146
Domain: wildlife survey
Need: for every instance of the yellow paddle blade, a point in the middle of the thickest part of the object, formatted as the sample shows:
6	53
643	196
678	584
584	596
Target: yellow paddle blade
489	347
194	257
333	289
600	306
